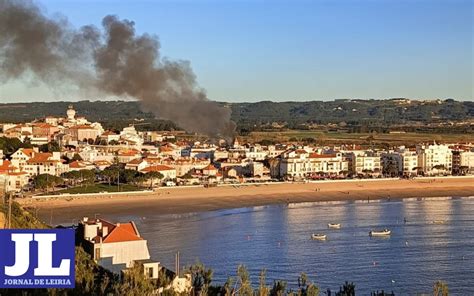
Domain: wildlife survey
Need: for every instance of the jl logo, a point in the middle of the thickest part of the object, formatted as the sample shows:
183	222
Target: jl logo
37	258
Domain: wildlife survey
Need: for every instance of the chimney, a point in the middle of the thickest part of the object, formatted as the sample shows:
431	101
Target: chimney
105	231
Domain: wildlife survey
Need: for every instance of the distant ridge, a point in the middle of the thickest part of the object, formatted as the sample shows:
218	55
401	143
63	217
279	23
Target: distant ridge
355	111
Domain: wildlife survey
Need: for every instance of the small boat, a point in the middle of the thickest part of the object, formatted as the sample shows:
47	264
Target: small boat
318	236
384	232
334	225
439	221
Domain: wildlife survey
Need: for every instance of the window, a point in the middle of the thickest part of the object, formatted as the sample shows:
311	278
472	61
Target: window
149	272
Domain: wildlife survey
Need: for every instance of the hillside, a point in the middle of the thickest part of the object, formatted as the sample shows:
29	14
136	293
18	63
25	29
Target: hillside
379	112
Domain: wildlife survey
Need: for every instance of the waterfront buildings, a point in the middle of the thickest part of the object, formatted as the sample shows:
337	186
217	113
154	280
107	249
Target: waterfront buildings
82	145
435	159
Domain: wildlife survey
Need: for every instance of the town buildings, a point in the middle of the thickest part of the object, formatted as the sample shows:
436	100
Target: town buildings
435	159
82	145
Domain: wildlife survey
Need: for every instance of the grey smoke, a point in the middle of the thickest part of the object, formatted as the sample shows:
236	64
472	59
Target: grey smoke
113	61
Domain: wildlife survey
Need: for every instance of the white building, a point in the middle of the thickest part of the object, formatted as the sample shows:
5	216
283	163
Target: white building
121	242
168	173
405	161
299	163
21	156
45	163
365	163
467	161
435	159
256	153
130	137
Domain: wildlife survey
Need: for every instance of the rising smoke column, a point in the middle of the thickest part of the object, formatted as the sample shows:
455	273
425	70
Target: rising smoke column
130	65
49	49
115	61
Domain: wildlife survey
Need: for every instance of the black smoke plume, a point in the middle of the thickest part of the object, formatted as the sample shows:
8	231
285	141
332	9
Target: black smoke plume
113	61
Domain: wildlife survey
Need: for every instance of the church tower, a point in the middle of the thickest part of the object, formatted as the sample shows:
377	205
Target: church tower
71	113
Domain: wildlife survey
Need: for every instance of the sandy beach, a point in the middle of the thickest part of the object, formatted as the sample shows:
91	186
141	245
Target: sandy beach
184	200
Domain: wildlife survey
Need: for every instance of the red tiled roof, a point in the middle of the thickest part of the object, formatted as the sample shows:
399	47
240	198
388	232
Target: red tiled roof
6	166
131	152
157	168
28	151
135	161
40	157
210	167
316	155
42	125
122	232
109	133
84	126
76	165
165	149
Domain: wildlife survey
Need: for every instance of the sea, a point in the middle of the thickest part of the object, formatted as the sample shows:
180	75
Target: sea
432	239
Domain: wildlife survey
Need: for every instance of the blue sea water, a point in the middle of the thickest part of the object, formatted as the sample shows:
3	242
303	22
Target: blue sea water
278	238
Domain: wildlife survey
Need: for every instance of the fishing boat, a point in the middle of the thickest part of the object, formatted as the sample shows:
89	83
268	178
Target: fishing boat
334	225
384	232
318	236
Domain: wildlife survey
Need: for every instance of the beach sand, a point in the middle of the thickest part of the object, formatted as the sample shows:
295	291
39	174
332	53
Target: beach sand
184	200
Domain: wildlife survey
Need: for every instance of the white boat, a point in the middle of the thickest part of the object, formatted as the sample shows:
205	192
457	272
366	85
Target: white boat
384	232
318	236
438	222
334	225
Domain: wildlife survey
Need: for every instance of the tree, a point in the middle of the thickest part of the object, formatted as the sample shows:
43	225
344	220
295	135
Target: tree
128	176
163	279
152	175
10	145
44	181
110	173
201	278
228	288
87	176
463	170
308	140
278	289
72	177
243	278
263	289
134	283
307	288
348	289
52	146
140	179
391	169
440	289
367	171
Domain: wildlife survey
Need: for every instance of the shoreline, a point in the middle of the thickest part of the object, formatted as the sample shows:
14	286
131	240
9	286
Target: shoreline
181	200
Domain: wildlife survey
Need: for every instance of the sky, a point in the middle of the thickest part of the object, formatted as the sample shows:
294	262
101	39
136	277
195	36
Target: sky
296	50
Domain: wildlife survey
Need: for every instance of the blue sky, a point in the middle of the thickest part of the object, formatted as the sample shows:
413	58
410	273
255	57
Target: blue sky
300	50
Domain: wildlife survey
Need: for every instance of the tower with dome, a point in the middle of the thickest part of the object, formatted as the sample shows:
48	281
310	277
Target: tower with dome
71	113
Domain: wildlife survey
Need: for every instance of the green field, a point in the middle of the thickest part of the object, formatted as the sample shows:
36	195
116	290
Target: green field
96	188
